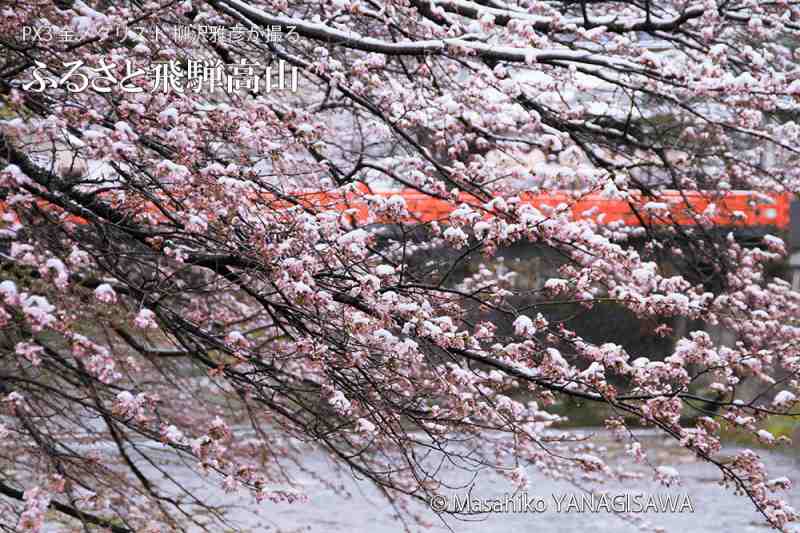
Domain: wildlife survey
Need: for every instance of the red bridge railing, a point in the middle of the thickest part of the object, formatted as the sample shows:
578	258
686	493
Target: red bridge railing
735	208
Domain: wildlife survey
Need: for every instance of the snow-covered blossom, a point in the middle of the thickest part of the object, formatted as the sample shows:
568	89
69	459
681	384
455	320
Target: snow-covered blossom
556	285
784	399
12	173
78	257
780	483
129	405
384	270
15	398
364	426
38	311
636	451
145	319
523	326
456	236
173	434
62	275
340	402
8	289
667	475
765	436
236	338
30	351
775	244
105	293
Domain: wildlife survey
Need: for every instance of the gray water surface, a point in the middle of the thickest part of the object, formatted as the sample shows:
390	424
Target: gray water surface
716	509
358	506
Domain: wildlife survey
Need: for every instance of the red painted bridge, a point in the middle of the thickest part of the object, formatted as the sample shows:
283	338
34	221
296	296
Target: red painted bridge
735	208
745	209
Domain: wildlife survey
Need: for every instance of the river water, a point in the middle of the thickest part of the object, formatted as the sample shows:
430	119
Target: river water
715	509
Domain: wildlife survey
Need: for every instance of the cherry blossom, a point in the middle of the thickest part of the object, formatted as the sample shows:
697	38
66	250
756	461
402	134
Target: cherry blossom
399	257
105	293
145	319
